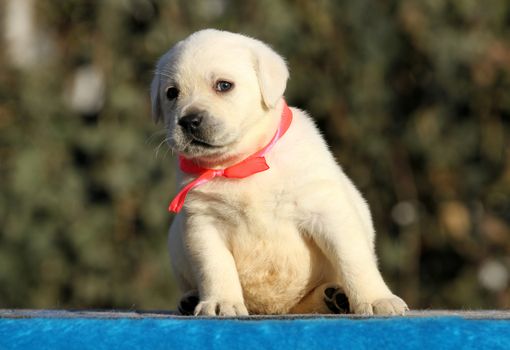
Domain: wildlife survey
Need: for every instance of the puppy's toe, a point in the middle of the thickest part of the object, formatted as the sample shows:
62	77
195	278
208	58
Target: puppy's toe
336	300
390	306
205	308
188	303
364	309
220	308
386	306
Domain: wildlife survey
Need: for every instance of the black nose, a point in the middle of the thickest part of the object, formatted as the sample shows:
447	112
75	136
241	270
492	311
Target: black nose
191	122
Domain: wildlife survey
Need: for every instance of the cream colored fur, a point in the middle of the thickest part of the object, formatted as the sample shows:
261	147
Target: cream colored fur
269	243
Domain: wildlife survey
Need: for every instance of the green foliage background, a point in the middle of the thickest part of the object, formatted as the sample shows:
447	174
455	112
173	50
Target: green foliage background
412	96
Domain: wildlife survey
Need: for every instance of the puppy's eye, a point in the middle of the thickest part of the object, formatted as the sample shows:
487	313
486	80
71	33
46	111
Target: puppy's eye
172	93
223	86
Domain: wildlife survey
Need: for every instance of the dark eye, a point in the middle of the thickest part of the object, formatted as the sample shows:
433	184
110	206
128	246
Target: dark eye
172	93
223	86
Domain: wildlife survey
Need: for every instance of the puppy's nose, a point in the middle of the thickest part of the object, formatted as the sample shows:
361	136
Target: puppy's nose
191	122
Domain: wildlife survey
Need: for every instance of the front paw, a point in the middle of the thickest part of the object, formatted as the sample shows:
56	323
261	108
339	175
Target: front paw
220	308
386	306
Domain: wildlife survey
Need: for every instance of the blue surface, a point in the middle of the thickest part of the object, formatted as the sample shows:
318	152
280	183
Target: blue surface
317	333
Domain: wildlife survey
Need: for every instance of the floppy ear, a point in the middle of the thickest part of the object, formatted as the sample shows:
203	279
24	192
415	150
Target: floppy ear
272	74
165	61
155	100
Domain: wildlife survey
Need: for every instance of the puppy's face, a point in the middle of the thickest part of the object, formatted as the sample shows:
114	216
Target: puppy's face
211	90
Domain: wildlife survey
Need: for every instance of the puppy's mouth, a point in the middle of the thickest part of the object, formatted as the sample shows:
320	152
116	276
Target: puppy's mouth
196	147
199	145
197	142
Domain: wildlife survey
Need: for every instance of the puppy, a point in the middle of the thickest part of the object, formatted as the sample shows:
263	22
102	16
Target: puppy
269	223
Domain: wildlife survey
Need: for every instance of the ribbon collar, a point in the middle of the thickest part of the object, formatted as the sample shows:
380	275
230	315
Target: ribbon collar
255	163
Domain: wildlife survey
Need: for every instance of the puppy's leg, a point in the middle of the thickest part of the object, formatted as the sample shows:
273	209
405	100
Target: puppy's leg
325	299
214	270
339	229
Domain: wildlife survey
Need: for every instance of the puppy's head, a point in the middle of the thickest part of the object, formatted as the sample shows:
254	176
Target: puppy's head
212	90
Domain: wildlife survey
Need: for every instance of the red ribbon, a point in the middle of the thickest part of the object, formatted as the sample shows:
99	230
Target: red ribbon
255	163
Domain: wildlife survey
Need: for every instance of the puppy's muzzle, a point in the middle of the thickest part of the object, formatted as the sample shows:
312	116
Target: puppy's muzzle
201	129
191	123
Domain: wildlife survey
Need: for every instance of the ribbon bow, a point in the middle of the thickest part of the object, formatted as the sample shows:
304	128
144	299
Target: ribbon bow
255	163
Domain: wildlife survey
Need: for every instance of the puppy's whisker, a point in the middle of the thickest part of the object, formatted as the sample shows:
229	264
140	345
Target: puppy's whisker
165	70
168	149
165	140
162	69
153	135
188	143
163	74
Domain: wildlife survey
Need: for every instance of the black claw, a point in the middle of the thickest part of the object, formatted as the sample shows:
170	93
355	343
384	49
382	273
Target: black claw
193	299
342	302
331	306
187	305
329	292
336	301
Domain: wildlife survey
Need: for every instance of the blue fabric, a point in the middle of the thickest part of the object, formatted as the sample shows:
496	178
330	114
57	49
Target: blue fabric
317	333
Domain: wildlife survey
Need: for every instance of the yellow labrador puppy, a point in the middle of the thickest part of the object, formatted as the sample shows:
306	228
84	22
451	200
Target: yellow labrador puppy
269	222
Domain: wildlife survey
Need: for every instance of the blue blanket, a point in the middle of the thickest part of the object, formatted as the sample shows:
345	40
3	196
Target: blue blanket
308	333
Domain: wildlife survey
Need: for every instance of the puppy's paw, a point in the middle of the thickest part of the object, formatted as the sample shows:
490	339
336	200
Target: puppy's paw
387	306
390	306
220	308
336	300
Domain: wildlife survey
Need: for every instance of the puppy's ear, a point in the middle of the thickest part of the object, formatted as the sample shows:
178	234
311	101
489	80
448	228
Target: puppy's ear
162	69
272	74
157	114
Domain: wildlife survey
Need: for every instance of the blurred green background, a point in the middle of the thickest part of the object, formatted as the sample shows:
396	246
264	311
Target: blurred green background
412	96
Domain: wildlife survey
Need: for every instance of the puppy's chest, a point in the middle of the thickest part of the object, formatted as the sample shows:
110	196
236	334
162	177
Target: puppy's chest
253	204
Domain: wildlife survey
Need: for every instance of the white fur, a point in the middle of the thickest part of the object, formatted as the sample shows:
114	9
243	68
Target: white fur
271	242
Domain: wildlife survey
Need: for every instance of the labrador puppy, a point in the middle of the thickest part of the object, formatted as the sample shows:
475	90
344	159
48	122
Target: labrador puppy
292	234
